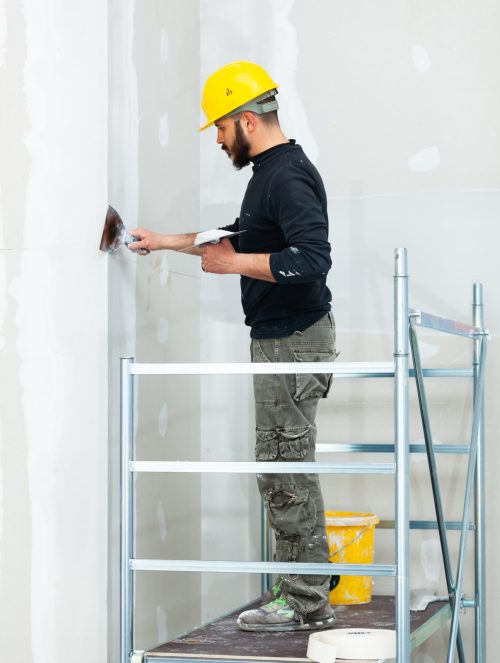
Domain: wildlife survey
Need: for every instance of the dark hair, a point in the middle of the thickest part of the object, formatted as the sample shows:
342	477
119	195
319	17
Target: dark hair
270	117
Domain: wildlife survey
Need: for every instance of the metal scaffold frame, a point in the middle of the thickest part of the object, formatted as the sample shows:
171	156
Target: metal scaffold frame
406	322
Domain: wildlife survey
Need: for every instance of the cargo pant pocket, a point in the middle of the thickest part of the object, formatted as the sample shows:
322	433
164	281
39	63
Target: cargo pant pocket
286	444
313	385
291	510
266	444
293	443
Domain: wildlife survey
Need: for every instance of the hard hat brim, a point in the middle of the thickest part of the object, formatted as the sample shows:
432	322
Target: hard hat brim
205	126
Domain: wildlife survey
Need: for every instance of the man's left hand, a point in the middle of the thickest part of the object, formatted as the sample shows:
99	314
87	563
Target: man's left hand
219	258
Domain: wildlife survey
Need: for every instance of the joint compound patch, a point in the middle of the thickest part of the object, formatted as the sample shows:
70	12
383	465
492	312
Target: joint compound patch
163	130
162	330
3	33
161	520
163	420
420	58
161	624
424	658
164	46
430	557
425	160
164	270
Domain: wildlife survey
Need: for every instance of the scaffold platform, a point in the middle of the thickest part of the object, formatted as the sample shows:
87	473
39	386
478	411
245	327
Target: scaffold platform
222	640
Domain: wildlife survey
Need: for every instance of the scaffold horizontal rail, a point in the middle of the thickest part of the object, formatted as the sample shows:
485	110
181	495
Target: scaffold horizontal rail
298	568
453	525
382	447
337	369
226	467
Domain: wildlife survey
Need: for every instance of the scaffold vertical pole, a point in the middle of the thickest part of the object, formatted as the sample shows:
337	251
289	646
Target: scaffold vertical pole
479	493
401	440
266	534
126	508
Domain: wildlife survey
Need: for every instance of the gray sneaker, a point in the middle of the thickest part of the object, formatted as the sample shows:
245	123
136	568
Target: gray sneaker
279	616
274	592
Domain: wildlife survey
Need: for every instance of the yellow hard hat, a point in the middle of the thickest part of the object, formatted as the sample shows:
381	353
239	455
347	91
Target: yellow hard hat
230	89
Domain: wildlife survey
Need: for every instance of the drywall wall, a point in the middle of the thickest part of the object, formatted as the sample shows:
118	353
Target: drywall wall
154	300
397	105
53	303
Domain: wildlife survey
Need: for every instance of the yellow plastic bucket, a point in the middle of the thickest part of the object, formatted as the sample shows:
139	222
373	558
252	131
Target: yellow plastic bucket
351	541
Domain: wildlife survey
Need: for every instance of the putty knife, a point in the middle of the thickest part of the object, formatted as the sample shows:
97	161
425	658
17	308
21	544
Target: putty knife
115	234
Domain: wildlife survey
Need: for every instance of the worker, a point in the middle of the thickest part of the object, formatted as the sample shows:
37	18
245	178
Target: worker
283	258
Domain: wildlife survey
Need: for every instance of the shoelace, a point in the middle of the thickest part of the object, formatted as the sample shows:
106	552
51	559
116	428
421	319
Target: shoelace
276	588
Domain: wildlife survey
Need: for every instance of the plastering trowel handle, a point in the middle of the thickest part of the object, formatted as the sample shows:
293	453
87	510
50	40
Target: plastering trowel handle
129	239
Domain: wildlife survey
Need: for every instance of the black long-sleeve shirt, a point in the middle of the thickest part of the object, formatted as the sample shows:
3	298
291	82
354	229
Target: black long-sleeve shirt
284	213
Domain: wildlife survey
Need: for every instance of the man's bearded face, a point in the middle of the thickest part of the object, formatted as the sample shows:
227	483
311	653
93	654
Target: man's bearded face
240	149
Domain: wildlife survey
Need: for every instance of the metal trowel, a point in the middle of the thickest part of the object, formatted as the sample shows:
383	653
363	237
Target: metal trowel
115	234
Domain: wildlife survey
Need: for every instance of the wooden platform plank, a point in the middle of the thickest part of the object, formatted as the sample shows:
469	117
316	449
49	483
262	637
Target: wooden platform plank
222	640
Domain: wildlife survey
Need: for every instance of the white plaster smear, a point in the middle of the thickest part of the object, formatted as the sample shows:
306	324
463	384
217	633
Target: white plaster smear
3	281
424	658
163	420
425	160
162	330
284	70
421	58
3	301
2	239
218	186
164	270
162	523
164	46
431	560
3	33
161	624
124	128
163	130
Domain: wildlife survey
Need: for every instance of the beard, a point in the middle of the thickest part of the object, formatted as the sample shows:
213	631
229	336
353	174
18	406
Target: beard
240	151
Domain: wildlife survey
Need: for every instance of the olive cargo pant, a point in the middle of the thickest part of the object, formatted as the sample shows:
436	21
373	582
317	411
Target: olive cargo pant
285	412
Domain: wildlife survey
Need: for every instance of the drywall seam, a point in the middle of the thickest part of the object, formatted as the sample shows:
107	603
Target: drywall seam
3	33
123	180
286	60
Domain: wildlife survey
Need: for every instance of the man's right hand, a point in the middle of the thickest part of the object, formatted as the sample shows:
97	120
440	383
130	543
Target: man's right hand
147	240
151	241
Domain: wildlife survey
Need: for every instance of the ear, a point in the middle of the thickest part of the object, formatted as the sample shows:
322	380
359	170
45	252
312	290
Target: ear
249	121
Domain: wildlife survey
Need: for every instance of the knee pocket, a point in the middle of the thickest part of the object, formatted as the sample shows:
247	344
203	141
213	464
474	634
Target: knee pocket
286	443
291	509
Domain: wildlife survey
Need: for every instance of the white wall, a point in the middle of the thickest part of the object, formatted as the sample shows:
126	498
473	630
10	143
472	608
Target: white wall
53	317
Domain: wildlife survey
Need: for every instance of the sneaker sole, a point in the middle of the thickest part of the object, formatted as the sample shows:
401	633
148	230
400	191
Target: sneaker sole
315	625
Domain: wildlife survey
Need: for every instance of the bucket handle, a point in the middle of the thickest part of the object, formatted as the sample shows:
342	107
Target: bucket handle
346	545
